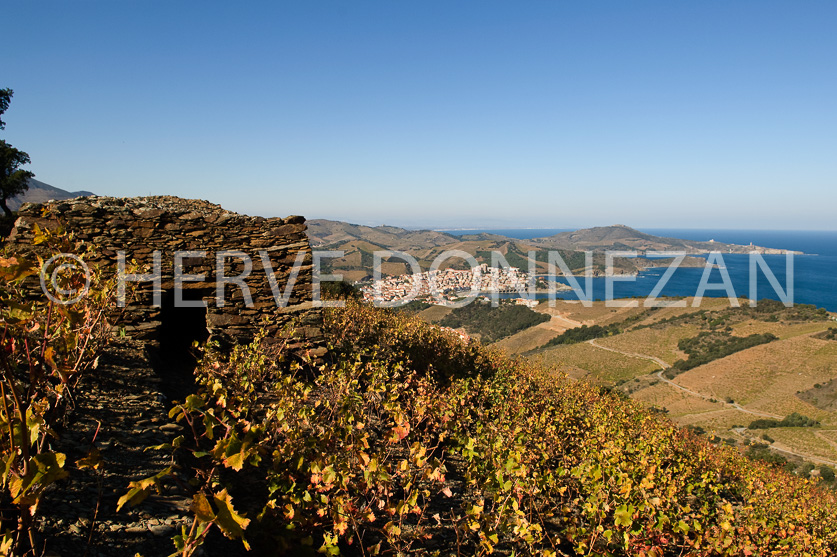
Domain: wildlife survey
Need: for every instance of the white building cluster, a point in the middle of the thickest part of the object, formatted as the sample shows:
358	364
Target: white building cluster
446	284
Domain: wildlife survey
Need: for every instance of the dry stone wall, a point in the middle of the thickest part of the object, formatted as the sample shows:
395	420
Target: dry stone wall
139	226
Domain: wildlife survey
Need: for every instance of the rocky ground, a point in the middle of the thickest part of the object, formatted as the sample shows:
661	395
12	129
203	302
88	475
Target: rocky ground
123	405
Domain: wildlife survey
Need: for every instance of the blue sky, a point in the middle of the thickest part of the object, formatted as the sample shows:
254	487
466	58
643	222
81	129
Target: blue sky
551	113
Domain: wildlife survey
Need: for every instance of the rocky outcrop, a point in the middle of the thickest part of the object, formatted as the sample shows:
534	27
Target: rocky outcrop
239	266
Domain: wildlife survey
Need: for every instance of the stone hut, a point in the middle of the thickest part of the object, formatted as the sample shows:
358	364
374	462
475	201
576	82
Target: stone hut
215	274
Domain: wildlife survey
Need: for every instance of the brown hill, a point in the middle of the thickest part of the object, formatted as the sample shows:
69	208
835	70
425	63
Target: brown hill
40	192
601	238
323	232
621	237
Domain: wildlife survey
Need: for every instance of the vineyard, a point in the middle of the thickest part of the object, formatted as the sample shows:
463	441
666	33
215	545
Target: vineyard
413	442
408	441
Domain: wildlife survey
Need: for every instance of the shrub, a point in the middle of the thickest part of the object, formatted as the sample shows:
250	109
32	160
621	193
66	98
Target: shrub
761	453
493	323
763	423
712	345
583	334
792	420
411	439
45	348
806	469
798	420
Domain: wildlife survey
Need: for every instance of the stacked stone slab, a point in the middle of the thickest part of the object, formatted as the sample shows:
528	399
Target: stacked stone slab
138	226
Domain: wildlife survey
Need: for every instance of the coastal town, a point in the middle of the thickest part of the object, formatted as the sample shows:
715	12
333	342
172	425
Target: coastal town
445	286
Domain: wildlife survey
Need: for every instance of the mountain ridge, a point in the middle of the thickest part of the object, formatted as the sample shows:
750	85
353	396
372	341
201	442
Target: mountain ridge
323	232
40	192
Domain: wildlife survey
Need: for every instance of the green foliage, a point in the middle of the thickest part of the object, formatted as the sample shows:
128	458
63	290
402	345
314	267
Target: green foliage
793	420
514	256
5	99
414	306
573	259
583	334
411	440
493	323
765	311
762	453
518	258
777	310
339	290
13	180
806	469
367	259
44	350
696	429
713	345
829	334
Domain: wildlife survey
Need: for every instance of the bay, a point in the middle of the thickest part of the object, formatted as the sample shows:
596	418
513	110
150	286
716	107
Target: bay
813	281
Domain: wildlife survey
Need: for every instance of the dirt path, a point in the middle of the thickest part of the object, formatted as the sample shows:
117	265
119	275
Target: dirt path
665	366
779	447
818	460
775	446
561	323
826	439
654	359
122	406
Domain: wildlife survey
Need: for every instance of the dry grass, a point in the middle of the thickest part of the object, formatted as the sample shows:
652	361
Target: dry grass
600	314
600	365
529	339
434	313
781	330
801	439
686	409
350	259
575	372
659	314
352	276
764	378
830	435
394	268
718	422
767	377
597	314
661	343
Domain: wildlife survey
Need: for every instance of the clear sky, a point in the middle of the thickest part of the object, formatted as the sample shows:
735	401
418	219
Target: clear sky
544	113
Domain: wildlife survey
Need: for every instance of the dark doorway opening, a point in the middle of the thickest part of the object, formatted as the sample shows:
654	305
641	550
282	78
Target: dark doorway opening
180	328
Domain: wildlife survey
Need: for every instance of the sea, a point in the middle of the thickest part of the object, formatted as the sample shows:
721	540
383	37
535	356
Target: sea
813	280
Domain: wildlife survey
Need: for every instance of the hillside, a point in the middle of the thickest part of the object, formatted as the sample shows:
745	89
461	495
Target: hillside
360	242
788	367
412	442
621	237
617	237
323	233
407	440
40	192
714	368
